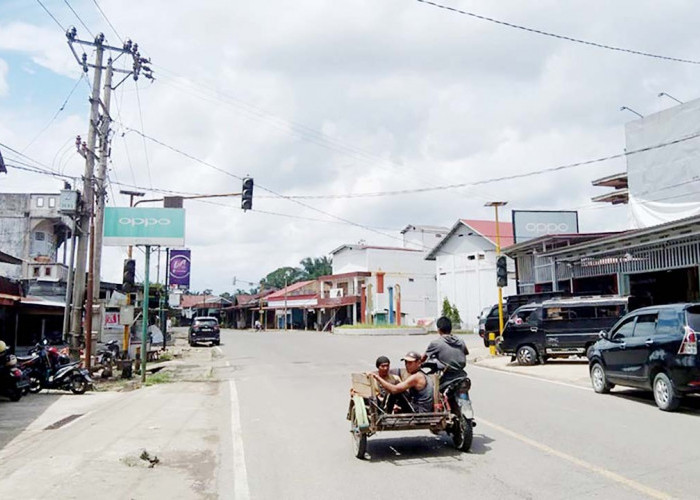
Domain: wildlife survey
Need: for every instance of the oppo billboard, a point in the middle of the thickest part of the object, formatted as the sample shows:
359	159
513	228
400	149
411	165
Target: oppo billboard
144	226
529	224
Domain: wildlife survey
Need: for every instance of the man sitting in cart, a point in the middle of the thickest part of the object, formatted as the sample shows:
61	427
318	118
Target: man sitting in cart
413	395
449	350
385	372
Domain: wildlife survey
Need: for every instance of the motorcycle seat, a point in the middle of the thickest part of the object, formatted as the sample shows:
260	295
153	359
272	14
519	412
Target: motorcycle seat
22	359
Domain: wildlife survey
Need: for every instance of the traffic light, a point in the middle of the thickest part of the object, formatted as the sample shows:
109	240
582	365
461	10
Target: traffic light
501	271
247	194
129	275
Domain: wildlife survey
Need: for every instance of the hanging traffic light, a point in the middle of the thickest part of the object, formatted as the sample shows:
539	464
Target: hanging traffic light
247	194
129	275
501	271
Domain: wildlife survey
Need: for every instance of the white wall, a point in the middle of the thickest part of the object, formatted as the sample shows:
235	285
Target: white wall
466	275
409	269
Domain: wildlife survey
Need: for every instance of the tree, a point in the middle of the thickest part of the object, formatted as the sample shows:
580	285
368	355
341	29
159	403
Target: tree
450	311
278	277
446	308
314	267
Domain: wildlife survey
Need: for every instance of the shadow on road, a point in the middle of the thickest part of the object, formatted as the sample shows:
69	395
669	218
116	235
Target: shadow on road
16	417
689	405
422	449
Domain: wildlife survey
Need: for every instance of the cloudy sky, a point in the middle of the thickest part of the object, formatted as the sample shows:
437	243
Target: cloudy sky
329	98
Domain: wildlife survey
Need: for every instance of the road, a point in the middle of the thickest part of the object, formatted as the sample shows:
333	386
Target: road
269	423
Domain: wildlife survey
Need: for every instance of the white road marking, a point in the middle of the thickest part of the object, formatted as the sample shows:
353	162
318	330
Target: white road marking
218	349
629	483
532	377
240	474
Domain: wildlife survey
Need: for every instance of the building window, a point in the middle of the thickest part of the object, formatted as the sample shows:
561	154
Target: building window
40	201
47	271
39	236
36	271
471	257
411	280
52	202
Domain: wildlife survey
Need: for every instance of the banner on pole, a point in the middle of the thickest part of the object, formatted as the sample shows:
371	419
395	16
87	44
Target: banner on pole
179	268
144	226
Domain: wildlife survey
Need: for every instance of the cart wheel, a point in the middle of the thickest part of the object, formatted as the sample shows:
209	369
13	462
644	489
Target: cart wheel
359	438
463	434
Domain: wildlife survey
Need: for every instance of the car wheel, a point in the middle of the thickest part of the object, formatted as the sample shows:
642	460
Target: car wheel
216	342
665	395
526	355
599	380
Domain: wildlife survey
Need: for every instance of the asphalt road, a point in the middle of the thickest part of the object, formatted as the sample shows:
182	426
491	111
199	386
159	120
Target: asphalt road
263	416
535	438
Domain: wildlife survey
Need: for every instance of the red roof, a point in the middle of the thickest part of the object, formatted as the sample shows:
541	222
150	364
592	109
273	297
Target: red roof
279	294
487	229
187	301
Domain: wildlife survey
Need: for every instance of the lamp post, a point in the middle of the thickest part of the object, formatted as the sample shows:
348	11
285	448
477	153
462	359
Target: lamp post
495	205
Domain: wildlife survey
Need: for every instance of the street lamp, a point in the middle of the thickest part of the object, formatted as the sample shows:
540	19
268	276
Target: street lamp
495	205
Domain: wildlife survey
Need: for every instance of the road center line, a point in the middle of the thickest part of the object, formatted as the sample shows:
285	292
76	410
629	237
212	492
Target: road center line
608	474
240	474
532	377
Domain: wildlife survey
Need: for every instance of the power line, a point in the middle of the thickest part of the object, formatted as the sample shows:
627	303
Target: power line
63	106
145	149
107	19
51	15
554	35
79	19
494	179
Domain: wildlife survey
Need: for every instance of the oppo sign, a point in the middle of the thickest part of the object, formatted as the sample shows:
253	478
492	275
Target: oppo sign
144	226
529	224
140	221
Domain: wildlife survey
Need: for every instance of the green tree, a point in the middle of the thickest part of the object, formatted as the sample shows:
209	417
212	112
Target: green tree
446	308
314	267
277	278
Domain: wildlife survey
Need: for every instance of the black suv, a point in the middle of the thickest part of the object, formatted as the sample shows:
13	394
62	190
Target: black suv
651	348
488	322
204	329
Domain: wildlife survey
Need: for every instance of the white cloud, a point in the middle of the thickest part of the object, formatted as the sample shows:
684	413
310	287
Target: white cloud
4	87
333	97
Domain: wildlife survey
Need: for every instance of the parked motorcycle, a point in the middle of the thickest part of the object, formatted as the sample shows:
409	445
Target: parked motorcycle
13	382
48	368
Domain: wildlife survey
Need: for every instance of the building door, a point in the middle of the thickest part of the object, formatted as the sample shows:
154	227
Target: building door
665	287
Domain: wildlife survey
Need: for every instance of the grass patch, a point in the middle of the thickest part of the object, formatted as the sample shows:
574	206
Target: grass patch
161	377
165	356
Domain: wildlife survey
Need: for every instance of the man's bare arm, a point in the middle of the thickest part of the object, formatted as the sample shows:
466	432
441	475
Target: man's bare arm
400	387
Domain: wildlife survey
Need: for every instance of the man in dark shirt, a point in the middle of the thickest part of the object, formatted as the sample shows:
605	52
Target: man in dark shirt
448	350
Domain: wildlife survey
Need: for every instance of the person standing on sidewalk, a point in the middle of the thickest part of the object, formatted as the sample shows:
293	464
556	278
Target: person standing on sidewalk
449	350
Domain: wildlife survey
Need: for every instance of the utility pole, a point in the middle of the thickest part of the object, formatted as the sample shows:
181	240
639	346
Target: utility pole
88	151
101	184
99	125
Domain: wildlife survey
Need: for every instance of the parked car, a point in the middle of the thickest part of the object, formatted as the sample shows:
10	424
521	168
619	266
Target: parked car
652	348
488	322
204	329
559	327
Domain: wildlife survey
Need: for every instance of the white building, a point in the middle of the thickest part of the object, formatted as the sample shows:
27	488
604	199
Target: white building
402	273
466	267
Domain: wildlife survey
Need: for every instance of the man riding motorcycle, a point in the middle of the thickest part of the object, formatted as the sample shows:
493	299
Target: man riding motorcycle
449	351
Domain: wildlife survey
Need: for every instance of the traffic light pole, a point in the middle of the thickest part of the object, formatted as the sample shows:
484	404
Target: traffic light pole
129	254
144	314
495	205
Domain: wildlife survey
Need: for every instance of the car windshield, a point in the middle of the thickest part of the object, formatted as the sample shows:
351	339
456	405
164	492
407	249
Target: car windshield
206	322
693	314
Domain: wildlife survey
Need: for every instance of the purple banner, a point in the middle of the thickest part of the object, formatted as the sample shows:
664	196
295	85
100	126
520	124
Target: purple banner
179	268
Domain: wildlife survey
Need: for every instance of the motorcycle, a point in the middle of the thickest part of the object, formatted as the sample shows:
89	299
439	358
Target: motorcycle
13	382
48	368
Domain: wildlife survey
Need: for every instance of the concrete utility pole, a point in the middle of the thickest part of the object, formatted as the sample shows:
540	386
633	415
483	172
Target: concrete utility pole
99	126
81	257
101	184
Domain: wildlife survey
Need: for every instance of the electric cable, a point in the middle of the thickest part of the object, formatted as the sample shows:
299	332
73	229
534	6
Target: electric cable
51	15
79	19
554	35
107	19
145	149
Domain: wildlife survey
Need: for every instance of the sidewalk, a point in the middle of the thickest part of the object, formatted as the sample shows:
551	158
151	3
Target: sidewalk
571	370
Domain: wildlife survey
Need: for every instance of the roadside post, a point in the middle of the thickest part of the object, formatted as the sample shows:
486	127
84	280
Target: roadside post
501	274
144	313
